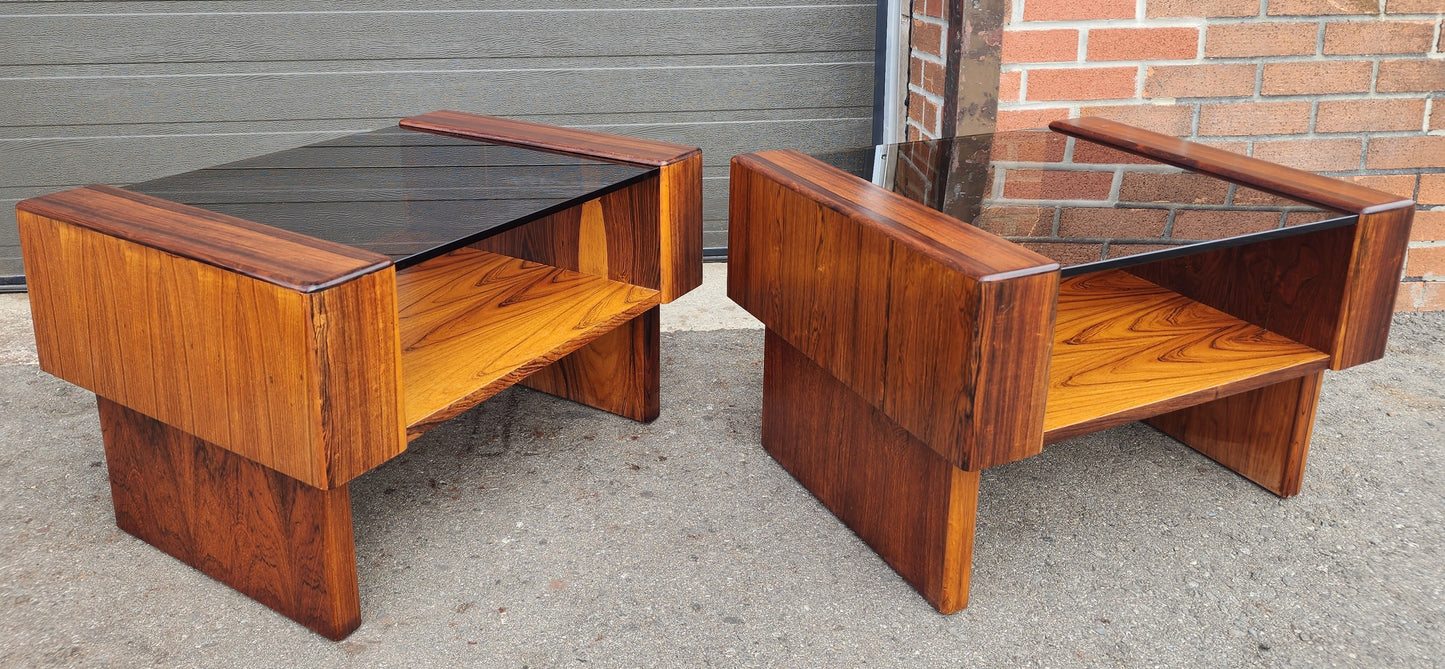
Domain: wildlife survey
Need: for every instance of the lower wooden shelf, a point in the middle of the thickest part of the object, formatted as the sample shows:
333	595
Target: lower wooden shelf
474	323
1127	349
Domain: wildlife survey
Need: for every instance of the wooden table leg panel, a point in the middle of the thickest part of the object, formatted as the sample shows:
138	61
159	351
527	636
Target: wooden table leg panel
617	373
1263	435
279	541
904	500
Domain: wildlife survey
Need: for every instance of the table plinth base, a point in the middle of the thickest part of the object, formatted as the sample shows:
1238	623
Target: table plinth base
279	541
617	373
915	509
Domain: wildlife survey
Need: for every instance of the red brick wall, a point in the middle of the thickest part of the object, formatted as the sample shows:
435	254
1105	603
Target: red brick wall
926	62
1351	88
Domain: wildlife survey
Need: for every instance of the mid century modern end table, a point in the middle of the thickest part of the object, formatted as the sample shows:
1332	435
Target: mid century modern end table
261	333
1073	285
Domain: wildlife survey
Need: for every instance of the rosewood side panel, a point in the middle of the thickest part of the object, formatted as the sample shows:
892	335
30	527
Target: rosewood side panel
953	347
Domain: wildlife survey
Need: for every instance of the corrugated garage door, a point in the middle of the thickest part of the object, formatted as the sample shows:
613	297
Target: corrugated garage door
118	92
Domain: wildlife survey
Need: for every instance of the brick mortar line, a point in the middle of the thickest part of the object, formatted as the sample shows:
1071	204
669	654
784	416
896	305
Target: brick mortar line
1262	99
1189	21
1222	60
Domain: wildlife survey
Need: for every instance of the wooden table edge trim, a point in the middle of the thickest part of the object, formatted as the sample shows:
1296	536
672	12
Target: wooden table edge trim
1243	170
987	257
575	141
262	252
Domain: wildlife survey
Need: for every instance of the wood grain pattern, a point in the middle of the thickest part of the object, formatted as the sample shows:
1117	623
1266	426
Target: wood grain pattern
273	255
680	188
1374	271
1233	167
283	543
304	383
617	372
603	146
1263	435
844	280
1126	349
909	504
462	314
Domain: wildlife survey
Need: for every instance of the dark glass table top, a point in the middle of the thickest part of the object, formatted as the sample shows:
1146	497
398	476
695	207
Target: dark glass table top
1084	205
402	193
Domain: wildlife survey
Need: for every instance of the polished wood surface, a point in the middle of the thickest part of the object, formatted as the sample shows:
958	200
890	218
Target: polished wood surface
617	372
1258	174
1374	271
575	141
304	383
952	346
1126	349
1263	434
911	506
660	234
281	542
261	252
475	322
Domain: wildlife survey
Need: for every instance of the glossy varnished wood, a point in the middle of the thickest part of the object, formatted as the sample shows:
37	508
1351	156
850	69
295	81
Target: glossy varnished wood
618	372
1263	435
1346	280
474	323
303	382
951	345
662	233
1240	169
277	540
1126	349
261	252
575	141
909	504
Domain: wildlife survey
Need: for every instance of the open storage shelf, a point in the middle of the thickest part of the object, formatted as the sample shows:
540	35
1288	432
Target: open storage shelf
1126	349
474	323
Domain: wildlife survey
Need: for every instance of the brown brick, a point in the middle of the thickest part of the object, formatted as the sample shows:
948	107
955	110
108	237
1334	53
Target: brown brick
1408	295
1241	148
1321	7
1023	119
1123	249
1205	8
1433	297
1354	116
1212	224
1432	190
1238	40
1167	119
1057	185
1404	76
932	8
927	37
1426	262
1116	223
930	117
1040	46
1302	217
1008	86
1429	226
1199	81
1395	153
1073	10
1437	114
1317	155
1412	6
1367	37
1017	221
1316	77
1143	43
1172	187
1254	118
1067	253
1091	153
1092	83
1256	198
1399	185
1033	147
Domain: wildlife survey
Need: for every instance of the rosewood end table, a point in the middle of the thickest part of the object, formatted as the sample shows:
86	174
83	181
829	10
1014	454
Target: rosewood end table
969	300
260	333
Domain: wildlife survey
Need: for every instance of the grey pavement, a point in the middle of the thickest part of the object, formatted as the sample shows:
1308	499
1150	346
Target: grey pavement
531	532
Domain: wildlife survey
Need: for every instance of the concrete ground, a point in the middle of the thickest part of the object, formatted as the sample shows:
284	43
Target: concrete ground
531	532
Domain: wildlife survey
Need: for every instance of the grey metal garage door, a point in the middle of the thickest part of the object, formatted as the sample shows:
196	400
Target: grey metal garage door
118	92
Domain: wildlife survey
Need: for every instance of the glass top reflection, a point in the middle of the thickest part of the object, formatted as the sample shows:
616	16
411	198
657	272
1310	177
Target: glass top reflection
1086	206
405	194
